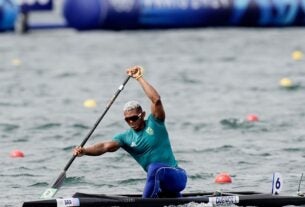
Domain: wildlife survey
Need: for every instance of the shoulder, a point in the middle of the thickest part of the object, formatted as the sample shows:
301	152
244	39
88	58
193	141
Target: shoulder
152	118
121	137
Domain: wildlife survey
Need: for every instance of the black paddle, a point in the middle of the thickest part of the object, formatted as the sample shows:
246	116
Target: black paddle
50	192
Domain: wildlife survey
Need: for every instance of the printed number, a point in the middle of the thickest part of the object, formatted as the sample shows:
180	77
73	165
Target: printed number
68	202
223	200
278	183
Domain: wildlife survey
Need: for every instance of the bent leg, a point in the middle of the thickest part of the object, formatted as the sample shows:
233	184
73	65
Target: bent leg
173	181
152	185
162	178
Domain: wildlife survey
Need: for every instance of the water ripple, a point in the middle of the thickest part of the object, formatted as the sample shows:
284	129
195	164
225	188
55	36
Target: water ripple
80	126
74	180
39	184
130	181
47	126
8	127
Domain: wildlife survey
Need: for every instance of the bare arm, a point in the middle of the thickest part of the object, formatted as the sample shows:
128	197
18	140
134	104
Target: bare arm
97	149
157	109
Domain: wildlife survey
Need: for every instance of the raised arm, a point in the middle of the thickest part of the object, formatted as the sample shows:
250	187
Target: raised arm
157	109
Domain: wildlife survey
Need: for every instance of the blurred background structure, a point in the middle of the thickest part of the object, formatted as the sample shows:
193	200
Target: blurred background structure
150	14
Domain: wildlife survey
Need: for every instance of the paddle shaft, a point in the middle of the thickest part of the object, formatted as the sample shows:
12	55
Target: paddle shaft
62	175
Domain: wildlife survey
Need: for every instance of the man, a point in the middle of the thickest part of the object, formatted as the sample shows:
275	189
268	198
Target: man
147	142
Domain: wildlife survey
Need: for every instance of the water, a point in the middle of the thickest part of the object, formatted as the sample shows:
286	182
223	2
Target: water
209	79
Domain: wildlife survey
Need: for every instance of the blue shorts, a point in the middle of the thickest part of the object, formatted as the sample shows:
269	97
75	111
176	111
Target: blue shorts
164	181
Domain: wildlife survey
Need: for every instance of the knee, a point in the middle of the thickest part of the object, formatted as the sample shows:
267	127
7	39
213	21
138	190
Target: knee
153	168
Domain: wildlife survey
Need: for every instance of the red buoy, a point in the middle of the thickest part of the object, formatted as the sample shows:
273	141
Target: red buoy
16	153
223	178
252	118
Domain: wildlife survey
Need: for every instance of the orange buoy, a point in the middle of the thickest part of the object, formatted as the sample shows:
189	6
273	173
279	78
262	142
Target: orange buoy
16	153
252	118
223	178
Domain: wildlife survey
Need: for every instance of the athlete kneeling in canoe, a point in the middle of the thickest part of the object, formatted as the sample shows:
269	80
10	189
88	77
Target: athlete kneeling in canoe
147	141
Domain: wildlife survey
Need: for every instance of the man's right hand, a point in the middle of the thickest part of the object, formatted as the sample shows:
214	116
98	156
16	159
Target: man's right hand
79	151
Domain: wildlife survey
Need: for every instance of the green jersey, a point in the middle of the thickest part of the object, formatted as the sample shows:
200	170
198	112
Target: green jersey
150	145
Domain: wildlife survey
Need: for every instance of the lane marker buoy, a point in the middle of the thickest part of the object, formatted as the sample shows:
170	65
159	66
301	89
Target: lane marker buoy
223	178
297	55
252	117
89	103
286	83
16	153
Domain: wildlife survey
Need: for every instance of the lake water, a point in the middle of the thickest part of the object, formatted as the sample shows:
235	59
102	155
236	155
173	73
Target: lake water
209	79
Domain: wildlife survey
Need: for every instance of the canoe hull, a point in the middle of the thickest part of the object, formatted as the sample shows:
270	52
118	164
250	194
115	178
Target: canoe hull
238	198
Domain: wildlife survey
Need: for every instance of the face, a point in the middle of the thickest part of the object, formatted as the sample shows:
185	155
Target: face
135	119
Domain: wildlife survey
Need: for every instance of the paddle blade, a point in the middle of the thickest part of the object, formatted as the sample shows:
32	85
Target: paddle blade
50	192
